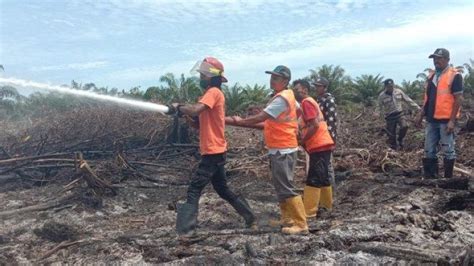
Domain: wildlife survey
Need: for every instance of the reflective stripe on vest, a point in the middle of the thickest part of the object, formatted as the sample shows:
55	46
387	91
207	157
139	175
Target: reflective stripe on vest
280	133
322	138
444	101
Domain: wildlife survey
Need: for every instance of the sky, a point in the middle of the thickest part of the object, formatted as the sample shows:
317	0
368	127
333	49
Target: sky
123	44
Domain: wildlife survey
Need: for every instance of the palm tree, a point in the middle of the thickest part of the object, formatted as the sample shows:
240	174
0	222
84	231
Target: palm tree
153	93
234	99
469	66
339	82
184	89
75	85
367	88
239	99
469	77
9	92
256	94
189	87
414	89
89	86
135	92
424	75
9	99
460	69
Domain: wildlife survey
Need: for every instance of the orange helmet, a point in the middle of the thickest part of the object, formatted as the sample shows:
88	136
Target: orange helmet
210	67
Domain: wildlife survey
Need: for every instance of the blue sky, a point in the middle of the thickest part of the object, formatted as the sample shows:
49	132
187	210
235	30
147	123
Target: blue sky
122	44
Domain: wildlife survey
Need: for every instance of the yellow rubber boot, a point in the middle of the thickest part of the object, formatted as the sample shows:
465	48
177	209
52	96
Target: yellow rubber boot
286	219
311	196
296	207
285	216
326	197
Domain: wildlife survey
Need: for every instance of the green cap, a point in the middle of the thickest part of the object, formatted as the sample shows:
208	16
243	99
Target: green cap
281	71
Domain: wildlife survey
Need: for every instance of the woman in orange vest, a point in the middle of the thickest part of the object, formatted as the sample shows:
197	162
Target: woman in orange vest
213	147
441	108
318	143
280	127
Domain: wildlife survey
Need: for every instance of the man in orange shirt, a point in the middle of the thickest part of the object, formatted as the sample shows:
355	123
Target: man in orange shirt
318	143
280	127
213	147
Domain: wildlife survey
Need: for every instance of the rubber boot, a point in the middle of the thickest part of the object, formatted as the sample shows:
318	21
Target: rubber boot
392	140
326	198
243	208
186	220
448	168
285	217
311	196
299	217
430	167
401	135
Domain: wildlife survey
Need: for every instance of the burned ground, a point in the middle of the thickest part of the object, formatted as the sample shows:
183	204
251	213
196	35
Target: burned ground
101	185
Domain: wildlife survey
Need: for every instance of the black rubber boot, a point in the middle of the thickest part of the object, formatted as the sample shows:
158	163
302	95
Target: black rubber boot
243	208
448	168
401	135
430	167
186	220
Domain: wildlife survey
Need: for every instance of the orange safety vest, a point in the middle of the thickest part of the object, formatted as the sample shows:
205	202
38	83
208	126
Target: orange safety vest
444	98
321	140
280	133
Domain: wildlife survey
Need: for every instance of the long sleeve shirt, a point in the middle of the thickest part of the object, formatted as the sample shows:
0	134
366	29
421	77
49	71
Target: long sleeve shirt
391	104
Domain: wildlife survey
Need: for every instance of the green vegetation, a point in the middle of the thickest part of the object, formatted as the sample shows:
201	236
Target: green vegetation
361	90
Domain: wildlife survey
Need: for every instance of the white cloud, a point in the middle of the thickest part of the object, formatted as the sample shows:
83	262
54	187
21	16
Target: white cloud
252	36
362	51
74	66
196	11
421	35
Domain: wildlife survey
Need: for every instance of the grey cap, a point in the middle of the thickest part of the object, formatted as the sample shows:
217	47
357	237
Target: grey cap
281	71
321	82
440	52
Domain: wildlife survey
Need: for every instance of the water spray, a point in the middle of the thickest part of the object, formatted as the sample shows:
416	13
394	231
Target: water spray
68	90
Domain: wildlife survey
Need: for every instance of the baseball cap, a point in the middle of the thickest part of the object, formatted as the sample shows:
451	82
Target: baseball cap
440	52
281	71
321	82
388	82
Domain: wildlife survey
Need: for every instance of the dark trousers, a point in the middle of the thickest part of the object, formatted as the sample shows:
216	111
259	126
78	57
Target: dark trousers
210	169
392	122
318	173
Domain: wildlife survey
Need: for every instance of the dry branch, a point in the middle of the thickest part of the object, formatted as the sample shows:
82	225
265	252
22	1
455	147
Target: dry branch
38	207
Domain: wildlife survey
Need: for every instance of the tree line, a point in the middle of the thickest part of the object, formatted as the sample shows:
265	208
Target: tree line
363	89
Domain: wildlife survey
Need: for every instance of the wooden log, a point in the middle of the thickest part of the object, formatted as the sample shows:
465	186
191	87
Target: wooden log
463	171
